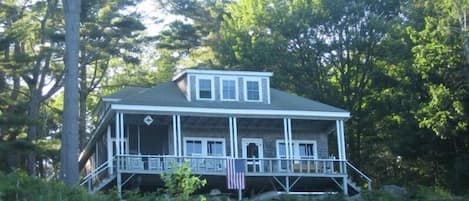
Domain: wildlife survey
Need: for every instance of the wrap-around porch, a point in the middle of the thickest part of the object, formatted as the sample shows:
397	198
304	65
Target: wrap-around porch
277	147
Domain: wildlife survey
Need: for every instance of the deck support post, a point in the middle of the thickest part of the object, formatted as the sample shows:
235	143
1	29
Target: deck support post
287	184
345	185
240	194
119	185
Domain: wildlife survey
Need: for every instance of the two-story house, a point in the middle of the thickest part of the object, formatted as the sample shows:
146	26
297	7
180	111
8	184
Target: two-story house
204	117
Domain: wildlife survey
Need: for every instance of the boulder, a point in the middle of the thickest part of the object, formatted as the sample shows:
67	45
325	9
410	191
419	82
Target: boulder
214	192
395	190
271	195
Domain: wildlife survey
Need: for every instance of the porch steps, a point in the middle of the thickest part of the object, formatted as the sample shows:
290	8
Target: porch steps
353	185
103	183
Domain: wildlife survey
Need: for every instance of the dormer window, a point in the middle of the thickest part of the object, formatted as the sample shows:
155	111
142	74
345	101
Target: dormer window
252	90
205	88
229	89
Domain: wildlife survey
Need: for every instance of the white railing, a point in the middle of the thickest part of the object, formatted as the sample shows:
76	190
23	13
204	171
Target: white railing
96	176
217	165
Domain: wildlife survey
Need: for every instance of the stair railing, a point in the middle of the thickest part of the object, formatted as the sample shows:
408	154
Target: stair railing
361	174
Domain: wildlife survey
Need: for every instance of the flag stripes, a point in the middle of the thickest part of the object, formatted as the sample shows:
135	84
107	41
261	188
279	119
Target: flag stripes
235	177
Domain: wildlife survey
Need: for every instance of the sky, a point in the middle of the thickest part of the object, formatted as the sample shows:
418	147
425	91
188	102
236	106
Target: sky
152	14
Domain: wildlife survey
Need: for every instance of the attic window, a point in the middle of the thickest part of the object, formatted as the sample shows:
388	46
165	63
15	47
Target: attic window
253	90
205	89
229	91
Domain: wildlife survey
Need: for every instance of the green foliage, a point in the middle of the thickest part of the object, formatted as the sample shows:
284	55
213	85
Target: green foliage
19	186
180	184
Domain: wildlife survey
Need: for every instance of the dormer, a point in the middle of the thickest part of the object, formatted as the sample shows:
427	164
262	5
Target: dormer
224	86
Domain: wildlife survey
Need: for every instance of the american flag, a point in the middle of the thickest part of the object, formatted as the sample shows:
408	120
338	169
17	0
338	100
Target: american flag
235	173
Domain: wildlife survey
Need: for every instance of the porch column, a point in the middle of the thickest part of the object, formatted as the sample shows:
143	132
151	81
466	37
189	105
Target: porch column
179	135
122	133
285	134
230	125
290	141
235	137
109	150
340	140
175	141
118	152
341	153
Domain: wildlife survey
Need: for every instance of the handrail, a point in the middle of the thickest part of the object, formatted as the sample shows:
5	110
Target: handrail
96	171
225	158
368	179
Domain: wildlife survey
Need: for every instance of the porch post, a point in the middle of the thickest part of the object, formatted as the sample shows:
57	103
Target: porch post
290	141
175	139
230	124
235	137
138	140
179	135
342	136
118	152
341	153
121	123
109	150
285	133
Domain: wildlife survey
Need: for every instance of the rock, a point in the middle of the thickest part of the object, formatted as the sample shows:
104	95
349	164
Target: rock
395	190
271	195
356	197
215	192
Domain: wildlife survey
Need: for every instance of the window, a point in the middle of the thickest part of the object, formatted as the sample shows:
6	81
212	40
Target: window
252	90
228	89
305	149
214	148
205	89
204	146
193	147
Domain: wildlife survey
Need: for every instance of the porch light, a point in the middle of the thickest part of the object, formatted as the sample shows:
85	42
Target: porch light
148	120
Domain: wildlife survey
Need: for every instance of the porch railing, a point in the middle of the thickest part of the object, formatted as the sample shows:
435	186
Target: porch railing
96	177
217	165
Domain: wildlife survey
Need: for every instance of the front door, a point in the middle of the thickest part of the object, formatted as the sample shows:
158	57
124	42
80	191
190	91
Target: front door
253	151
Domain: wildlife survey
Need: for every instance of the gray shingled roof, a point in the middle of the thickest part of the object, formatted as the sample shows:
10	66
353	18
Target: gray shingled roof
168	94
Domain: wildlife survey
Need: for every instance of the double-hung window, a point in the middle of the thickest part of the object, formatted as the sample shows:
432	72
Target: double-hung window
205	88
206	151
253	90
302	149
195	146
229	90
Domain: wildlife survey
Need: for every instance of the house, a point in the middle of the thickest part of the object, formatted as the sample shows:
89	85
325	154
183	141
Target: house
205	117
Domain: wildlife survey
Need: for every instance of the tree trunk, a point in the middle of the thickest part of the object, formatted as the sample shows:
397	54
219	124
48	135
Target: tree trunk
69	151
83	96
33	117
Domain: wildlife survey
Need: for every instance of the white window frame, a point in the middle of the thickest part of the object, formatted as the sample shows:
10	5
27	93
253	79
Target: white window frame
205	145
212	87
296	148
236	88
251	79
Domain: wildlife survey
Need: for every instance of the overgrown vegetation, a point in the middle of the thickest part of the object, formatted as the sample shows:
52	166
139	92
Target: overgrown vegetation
18	186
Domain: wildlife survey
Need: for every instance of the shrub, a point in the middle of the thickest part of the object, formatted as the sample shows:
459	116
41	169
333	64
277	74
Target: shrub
180	184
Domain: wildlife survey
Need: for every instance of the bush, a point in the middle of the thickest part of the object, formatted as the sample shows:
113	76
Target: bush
18	186
180	184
